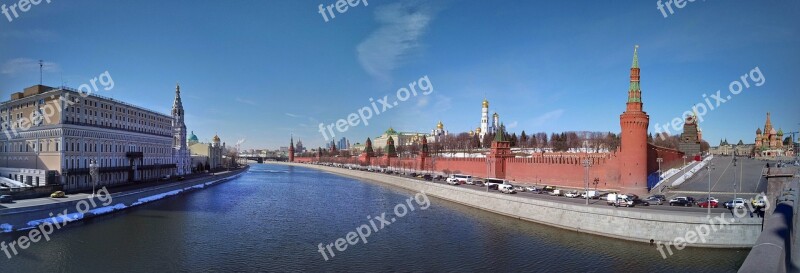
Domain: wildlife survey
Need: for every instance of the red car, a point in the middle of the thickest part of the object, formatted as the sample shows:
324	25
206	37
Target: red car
705	204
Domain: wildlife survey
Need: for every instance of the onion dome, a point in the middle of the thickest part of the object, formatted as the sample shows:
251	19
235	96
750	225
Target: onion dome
440	125
485	103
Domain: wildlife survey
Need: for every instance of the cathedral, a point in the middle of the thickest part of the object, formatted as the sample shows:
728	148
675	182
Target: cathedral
485	127
769	143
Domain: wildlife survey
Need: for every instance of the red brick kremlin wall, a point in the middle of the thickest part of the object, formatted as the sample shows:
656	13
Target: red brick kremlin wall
672	158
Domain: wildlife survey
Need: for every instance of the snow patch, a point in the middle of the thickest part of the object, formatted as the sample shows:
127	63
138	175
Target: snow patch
56	219
107	209
6	228
156	197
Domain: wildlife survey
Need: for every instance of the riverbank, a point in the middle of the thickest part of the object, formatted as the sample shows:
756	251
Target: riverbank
27	214
621	223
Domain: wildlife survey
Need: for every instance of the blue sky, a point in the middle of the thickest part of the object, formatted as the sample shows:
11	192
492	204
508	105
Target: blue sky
262	70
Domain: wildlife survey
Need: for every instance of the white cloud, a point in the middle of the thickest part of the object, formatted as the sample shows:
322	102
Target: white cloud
422	102
25	65
548	117
512	125
293	115
402	25
250	102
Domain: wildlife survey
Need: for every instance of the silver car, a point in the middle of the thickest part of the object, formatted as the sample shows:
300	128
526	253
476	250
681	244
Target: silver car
652	200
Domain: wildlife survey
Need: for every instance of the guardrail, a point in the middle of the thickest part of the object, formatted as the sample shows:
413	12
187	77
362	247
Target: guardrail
773	249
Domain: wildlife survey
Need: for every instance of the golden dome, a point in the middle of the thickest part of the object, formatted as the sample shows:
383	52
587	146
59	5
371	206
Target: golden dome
440	125
478	130
485	103
216	138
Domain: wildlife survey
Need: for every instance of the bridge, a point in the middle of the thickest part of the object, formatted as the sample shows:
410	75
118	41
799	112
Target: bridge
261	159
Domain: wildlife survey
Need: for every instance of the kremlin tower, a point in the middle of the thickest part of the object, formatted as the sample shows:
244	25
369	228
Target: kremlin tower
634	123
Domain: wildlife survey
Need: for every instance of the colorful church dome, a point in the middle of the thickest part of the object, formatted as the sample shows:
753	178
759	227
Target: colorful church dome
216	138
440	125
193	137
485	103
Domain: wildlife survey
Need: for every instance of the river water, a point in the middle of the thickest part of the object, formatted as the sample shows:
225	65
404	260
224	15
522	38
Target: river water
273	218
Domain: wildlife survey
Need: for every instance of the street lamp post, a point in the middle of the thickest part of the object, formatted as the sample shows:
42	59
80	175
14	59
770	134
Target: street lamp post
94	172
586	180
659	160
734	176
709	167
684	166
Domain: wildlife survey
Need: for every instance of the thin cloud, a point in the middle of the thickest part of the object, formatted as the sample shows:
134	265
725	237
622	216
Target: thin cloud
250	102
402	25
548	117
293	115
25	65
512	125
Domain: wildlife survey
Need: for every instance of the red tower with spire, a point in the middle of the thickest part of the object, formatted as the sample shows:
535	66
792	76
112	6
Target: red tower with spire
633	147
291	149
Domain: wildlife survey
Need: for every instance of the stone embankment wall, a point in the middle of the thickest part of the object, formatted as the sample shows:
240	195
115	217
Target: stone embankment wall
623	223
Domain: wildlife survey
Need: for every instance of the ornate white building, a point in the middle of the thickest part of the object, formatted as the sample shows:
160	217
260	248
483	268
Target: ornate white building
129	143
180	153
486	127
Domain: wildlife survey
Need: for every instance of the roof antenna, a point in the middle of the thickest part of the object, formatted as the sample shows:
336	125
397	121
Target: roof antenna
41	66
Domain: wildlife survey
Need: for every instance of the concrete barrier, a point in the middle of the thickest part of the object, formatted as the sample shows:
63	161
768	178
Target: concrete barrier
621	223
772	252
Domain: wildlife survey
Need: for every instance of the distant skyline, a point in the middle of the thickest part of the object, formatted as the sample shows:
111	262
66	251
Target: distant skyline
264	70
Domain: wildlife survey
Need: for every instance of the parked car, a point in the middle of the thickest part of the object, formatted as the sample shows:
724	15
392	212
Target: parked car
680	201
556	192
708	203
759	201
58	194
660	196
453	182
506	188
737	203
428	177
571	194
519	188
438	177
624	202
652	200
531	188
6	199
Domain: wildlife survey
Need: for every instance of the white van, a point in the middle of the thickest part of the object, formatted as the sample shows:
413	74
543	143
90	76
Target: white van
456	179
506	188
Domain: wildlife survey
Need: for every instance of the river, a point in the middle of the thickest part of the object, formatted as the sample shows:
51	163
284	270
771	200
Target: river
273	218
